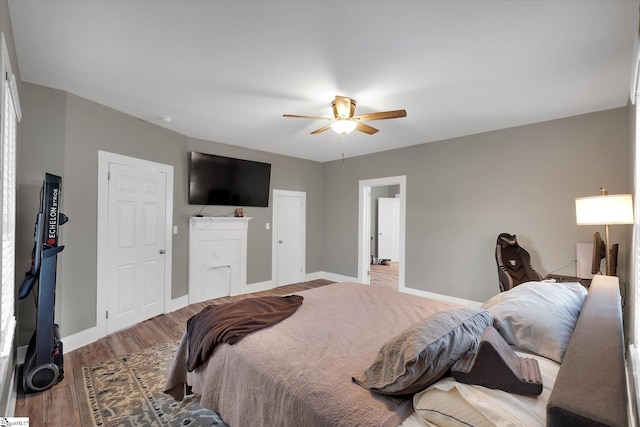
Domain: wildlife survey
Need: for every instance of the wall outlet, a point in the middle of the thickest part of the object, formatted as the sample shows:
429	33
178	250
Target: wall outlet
175	229
266	226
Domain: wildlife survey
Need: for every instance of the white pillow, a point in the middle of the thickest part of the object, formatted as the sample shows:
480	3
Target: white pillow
538	316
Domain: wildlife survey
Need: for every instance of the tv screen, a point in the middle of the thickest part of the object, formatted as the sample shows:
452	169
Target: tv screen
217	180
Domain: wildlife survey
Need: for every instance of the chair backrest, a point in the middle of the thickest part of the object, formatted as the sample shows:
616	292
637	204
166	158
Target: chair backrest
514	263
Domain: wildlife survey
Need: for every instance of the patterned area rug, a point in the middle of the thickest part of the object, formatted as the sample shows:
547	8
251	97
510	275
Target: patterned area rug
127	391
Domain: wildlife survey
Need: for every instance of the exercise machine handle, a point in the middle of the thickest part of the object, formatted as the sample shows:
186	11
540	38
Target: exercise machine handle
31	276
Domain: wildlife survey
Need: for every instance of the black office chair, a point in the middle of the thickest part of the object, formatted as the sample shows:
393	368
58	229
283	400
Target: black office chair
514	263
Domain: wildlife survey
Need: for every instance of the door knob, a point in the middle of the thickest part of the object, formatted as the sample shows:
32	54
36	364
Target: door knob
280	241
162	251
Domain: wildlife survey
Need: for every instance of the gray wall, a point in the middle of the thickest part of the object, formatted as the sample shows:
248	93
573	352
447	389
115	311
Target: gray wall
63	133
462	193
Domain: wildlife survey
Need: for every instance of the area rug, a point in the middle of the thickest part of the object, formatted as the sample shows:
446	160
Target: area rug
127	391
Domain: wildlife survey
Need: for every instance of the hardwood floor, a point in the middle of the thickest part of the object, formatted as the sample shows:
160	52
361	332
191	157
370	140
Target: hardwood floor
384	275
58	406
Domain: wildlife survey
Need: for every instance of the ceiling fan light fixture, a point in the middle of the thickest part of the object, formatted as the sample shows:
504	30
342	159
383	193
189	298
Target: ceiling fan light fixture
343	126
344	121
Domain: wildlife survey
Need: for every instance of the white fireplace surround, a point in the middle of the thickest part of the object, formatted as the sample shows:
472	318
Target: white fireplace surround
217	257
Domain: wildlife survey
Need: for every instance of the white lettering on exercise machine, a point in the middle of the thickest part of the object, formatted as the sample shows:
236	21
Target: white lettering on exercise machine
53	215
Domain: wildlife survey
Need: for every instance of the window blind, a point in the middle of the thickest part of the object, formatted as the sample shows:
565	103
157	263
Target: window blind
8	188
9	115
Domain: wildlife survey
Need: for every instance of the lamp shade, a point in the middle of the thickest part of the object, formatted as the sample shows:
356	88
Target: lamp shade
343	125
609	209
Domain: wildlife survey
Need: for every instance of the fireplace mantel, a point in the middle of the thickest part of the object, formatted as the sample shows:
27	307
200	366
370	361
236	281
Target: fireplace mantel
217	257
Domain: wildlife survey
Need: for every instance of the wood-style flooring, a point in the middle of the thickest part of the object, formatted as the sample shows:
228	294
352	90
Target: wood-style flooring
384	275
58	406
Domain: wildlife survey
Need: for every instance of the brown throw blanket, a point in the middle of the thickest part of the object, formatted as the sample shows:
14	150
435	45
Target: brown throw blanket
229	323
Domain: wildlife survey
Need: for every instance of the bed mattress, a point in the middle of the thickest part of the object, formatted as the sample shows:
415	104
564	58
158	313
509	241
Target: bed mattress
299	371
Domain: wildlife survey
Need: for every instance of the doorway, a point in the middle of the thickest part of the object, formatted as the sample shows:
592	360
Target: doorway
289	237
387	223
135	214
371	191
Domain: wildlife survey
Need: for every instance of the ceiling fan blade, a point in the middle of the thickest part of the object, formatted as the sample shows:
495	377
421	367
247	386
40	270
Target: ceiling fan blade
343	107
293	116
321	130
365	128
395	114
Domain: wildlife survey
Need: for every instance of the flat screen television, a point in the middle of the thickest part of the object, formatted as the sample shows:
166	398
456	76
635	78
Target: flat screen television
218	180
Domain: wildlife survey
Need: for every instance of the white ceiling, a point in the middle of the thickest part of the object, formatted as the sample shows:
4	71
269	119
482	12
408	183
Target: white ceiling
227	70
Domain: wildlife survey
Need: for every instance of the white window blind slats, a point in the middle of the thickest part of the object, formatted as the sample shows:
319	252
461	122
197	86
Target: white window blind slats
9	109
635	250
8	190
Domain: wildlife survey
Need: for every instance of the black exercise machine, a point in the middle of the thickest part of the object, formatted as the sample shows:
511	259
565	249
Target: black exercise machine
43	365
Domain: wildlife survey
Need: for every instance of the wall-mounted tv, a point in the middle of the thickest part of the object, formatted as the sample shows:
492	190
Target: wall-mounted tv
218	180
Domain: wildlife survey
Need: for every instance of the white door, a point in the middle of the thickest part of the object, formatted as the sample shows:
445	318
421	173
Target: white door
136	245
289	236
388	228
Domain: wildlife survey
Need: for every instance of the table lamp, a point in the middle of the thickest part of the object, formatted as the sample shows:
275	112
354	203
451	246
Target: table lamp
605	210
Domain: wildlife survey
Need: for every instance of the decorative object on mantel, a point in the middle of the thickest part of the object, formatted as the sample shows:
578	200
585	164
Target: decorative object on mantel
495	365
239	213
605	209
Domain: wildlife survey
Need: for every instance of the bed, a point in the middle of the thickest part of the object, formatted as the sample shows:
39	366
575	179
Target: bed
315	367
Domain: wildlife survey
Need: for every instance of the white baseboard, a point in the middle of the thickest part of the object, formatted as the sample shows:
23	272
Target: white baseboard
258	286
330	276
178	303
21	354
440	297
633	390
11	404
10	408
80	339
340	278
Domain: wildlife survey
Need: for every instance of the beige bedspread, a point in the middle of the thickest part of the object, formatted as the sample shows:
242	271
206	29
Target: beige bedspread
298	372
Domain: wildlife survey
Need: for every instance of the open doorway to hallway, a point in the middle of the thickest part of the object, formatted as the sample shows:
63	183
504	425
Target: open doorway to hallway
381	232
385	235
385	275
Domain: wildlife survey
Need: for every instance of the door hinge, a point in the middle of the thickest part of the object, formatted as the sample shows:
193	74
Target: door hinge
108	175
368	272
106	314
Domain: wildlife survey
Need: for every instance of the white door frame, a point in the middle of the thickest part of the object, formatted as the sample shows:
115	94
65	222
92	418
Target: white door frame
364	225
104	159
274	233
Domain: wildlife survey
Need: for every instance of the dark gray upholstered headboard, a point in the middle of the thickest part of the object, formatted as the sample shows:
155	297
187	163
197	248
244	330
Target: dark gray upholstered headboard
591	389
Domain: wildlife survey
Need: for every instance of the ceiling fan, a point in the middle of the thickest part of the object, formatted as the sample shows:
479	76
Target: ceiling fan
344	121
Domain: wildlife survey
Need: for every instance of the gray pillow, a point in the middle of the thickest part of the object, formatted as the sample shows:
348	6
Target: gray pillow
424	352
538	316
